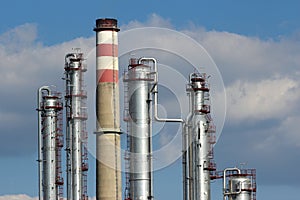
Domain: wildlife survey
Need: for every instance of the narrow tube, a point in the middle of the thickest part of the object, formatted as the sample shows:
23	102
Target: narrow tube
40	140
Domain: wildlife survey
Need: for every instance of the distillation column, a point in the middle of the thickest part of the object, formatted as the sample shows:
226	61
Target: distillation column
139	79
199	139
141	82
76	135
50	142
108	164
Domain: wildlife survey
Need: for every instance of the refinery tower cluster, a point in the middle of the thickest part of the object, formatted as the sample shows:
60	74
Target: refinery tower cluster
57	132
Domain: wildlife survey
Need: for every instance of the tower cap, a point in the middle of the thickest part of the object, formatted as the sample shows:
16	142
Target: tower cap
106	24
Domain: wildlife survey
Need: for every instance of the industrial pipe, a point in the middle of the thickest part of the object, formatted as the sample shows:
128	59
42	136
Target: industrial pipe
40	140
224	182
155	92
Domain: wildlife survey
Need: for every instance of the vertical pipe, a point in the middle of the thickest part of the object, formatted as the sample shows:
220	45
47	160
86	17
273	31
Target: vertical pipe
184	163
108	164
150	158
190	144
68	129
186	152
40	139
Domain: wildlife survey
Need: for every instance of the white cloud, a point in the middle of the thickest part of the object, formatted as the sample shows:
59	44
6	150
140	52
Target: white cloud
272	98
285	136
19	38
249	58
261	78
17	197
25	65
154	20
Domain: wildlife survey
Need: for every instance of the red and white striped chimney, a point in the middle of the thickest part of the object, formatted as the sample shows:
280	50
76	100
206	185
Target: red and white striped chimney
108	164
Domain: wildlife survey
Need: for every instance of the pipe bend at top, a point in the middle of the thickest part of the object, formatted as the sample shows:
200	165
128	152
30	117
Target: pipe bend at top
155	92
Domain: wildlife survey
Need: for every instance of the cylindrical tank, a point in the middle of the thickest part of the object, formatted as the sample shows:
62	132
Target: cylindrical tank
140	130
108	164
240	188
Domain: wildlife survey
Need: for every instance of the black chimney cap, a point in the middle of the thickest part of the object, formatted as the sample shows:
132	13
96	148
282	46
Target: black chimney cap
106	24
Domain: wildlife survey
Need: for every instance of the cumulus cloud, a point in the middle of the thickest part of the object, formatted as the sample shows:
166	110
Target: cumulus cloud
249	58
19	38
273	98
154	20
27	64
261	79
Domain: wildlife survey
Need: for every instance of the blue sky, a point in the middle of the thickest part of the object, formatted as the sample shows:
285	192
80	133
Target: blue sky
255	44
60	21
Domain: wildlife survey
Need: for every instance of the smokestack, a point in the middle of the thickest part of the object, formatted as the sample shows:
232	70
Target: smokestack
108	164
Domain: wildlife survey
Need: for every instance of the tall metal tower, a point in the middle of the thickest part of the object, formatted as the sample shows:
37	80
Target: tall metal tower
76	134
139	79
141	97
50	142
198	139
108	164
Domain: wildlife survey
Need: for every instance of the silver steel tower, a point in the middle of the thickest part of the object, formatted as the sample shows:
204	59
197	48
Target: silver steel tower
50	142
139	79
76	135
198	139
141	83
